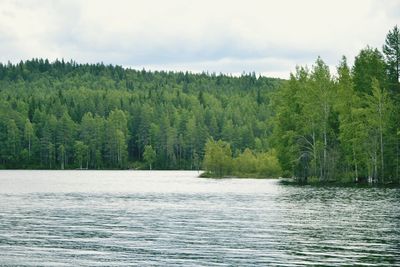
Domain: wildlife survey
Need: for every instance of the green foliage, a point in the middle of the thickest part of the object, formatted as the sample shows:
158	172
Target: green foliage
29	135
117	112
246	162
218	162
340	128
268	164
13	137
379	107
149	155
315	126
81	151
368	64
391	49
218	158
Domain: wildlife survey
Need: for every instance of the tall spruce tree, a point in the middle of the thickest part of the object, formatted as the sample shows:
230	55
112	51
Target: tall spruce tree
391	49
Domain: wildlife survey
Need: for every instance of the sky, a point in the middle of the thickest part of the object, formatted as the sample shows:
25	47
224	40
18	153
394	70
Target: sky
267	37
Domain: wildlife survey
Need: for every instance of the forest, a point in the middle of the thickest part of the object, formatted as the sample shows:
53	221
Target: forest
343	127
317	126
64	115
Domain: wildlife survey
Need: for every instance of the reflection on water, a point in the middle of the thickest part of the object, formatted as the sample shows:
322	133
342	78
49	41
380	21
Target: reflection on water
131	218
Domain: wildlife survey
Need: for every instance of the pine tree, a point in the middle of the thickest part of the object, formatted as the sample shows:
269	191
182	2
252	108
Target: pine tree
391	49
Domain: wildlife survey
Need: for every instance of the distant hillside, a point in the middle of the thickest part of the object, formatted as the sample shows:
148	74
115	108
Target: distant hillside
68	115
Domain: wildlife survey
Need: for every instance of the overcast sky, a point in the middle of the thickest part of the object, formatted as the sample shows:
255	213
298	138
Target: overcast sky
268	37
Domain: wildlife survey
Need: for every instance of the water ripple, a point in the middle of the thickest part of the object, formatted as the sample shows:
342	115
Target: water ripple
175	219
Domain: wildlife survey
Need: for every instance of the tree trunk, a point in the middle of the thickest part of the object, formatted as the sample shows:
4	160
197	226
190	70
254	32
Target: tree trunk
382	163
375	175
381	140
326	116
325	155
315	153
397	160
355	165
29	147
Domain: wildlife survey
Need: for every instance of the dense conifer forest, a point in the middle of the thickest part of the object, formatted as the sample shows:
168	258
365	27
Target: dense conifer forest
62	115
316	126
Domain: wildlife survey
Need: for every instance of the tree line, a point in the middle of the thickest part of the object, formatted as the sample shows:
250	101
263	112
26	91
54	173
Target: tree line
65	115
315	126
344	127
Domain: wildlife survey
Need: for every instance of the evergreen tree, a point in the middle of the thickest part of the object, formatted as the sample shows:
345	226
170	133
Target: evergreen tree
391	49
368	64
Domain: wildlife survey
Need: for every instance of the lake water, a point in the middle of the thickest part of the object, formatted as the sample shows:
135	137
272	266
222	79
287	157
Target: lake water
172	218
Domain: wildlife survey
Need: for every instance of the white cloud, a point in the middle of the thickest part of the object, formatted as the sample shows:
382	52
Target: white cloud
268	37
272	67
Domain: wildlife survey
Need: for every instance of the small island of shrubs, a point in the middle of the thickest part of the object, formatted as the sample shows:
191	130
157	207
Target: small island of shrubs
219	162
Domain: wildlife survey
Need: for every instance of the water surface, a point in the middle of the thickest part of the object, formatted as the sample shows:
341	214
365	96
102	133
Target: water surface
173	218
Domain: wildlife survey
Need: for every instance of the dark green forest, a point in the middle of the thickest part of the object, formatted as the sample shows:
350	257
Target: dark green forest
316	126
63	115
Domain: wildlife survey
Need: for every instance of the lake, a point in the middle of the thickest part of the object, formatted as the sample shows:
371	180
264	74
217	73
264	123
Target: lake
173	218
